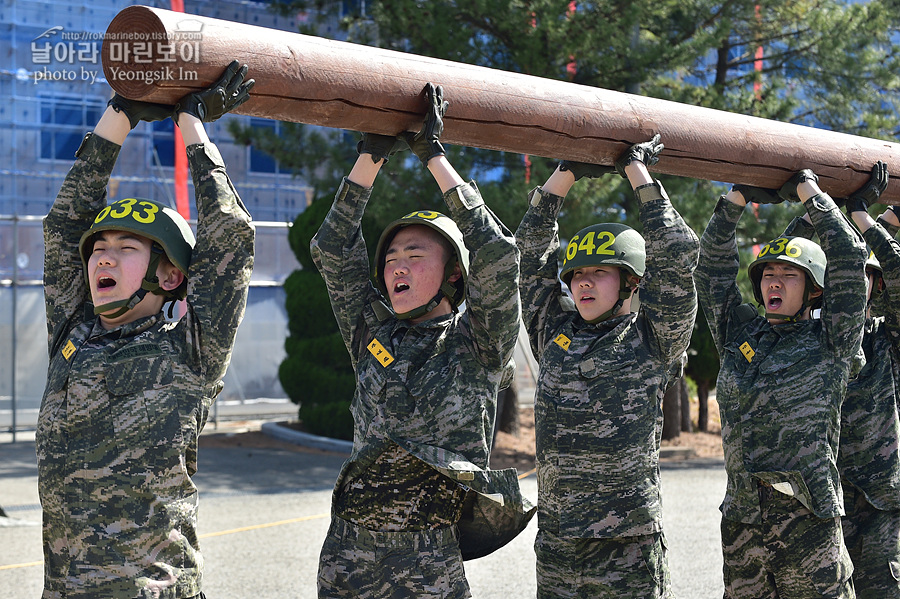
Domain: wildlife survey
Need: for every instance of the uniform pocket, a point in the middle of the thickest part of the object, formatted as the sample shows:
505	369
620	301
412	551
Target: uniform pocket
787	360
829	568
435	573
653	549
143	403
608	359
445	398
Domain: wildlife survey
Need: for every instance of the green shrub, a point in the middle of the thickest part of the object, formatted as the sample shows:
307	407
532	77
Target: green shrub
316	372
328	419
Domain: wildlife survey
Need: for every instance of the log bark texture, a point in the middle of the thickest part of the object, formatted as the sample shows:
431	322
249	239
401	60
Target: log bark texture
348	86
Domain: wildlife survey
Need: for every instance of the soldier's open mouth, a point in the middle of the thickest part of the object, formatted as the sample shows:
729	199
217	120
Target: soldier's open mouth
105	283
399	287
774	302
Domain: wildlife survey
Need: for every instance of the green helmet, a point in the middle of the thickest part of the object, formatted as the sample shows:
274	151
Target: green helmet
610	244
796	251
447	228
170	233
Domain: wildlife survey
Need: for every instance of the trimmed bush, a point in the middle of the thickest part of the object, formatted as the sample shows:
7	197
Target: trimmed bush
316	372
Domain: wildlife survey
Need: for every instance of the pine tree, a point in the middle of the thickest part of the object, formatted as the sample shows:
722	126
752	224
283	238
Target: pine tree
821	63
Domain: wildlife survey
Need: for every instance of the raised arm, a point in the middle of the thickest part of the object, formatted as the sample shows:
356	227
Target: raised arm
492	286
81	196
222	260
883	245
890	220
338	248
843	307
859	201
544	303
668	295
719	264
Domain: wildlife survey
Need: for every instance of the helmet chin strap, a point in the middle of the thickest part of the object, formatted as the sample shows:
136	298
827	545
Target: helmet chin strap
447	290
625	292
149	284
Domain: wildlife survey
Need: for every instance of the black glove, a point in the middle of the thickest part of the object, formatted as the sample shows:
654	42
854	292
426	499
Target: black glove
226	94
862	198
788	191
647	152
380	146
758	195
585	169
138	111
425	143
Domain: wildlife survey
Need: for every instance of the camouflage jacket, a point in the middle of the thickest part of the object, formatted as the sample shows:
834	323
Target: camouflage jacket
780	388
431	387
869	451
598	403
118	425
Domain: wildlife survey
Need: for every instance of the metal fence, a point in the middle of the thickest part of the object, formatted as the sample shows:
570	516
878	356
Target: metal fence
251	389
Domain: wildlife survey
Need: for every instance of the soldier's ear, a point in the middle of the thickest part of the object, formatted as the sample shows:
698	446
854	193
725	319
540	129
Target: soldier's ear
170	278
456	274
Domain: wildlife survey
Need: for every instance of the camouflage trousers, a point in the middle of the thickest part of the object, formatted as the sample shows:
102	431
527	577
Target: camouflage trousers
596	568
872	537
791	554
356	562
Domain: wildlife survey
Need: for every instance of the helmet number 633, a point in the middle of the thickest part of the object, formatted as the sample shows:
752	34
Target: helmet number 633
142	212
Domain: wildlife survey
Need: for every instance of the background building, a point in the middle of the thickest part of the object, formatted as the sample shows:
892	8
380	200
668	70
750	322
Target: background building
52	91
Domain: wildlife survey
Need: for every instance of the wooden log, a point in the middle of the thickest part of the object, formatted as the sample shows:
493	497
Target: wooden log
157	55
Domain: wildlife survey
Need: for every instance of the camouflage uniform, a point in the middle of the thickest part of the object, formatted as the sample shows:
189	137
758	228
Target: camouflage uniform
117	431
416	496
780	390
869	453
598	408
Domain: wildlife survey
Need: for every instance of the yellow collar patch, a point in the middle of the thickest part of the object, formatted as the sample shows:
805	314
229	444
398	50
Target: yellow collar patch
382	355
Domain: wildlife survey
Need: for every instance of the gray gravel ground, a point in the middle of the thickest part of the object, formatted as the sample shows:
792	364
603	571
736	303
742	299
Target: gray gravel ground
264	514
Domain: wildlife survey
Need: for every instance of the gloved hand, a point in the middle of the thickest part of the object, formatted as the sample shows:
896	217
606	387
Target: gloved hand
226	94
425	144
862	198
380	146
788	191
646	152
585	169
758	195
138	111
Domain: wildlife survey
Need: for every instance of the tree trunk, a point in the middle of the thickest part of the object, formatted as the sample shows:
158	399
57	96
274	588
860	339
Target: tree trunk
686	425
672	411
347	86
508	410
703	399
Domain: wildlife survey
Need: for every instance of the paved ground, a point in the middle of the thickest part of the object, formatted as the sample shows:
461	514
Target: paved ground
264	515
